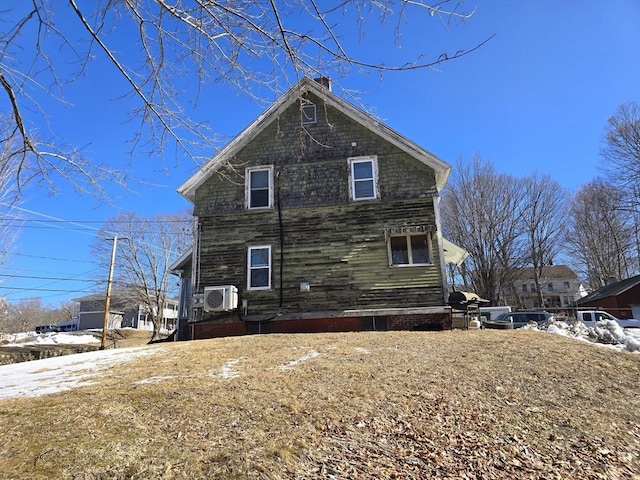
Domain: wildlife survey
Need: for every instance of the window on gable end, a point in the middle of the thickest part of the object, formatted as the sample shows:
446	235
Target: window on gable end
308	114
259	187
363	173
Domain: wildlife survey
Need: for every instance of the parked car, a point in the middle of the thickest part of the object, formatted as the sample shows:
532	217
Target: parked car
517	320
47	328
591	317
70	326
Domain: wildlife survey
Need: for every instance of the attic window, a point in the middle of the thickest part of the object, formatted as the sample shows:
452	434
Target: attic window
308	114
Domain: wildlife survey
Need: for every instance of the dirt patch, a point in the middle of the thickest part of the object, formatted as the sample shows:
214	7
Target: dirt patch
410	405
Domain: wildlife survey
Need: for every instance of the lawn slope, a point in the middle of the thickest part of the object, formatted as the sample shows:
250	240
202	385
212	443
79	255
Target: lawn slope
410	405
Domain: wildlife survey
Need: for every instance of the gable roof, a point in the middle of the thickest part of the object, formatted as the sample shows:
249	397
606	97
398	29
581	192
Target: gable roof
307	85
611	290
559	272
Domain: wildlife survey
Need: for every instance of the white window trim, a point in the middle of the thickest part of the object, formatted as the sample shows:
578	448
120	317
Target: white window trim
303	117
352	184
256	247
407	236
247	187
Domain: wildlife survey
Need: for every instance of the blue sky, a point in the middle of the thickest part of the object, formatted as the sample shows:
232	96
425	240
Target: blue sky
536	98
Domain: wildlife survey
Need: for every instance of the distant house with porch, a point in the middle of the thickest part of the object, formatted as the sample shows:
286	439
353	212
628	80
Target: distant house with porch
559	286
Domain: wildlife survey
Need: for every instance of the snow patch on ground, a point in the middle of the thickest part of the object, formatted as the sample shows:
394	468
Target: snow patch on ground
156	379
57	374
605	333
293	363
229	371
52	338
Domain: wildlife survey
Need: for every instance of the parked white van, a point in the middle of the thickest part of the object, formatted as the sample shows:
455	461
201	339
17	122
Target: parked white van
70	326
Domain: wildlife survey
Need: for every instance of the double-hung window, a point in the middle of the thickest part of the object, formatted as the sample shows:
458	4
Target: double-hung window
259	268
363	178
259	187
410	249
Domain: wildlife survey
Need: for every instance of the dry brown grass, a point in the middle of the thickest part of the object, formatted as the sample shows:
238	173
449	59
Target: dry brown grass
409	405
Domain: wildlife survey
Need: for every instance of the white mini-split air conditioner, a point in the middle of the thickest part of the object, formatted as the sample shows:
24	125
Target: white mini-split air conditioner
221	298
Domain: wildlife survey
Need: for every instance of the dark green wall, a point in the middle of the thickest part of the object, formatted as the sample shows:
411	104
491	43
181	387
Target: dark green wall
338	246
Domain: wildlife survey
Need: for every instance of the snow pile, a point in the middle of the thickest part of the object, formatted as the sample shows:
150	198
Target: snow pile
606	332
16	337
51	339
57	374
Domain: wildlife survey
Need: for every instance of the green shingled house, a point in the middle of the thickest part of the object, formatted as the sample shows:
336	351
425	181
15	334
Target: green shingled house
317	217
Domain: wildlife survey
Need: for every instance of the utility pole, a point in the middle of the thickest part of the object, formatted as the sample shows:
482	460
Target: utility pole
107	301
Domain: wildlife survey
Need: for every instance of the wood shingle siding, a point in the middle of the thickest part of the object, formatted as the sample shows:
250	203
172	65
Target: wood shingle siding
317	233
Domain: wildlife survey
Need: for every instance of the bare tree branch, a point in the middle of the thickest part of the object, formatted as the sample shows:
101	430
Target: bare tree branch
182	48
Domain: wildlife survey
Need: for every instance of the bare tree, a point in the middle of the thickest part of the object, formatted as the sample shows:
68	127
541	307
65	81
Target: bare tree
25	315
622	160
9	219
63	312
175	50
145	250
543	207
482	212
622	153
600	234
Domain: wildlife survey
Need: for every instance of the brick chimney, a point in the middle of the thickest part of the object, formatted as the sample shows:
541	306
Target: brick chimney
324	81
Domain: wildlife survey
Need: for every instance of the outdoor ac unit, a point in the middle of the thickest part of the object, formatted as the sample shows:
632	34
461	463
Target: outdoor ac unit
218	299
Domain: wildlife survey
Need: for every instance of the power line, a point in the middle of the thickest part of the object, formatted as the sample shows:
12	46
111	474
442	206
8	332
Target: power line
46	278
98	221
53	258
23	289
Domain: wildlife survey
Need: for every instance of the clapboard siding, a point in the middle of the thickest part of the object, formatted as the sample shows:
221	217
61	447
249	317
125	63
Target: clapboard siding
338	246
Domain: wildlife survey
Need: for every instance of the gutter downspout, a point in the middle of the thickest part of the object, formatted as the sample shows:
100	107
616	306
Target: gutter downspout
443	269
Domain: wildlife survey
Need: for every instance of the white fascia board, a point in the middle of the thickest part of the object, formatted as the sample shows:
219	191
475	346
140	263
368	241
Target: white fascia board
184	258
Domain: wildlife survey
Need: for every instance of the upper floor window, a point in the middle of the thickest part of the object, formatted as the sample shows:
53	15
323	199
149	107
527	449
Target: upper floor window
410	249
308	114
259	268
524	288
259	187
550	287
363	177
567	285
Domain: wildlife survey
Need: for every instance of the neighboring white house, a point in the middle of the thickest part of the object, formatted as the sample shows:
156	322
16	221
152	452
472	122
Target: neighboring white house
559	285
121	313
141	319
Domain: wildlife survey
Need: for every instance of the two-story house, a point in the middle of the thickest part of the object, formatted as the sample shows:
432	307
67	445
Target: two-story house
558	286
123	313
317	217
